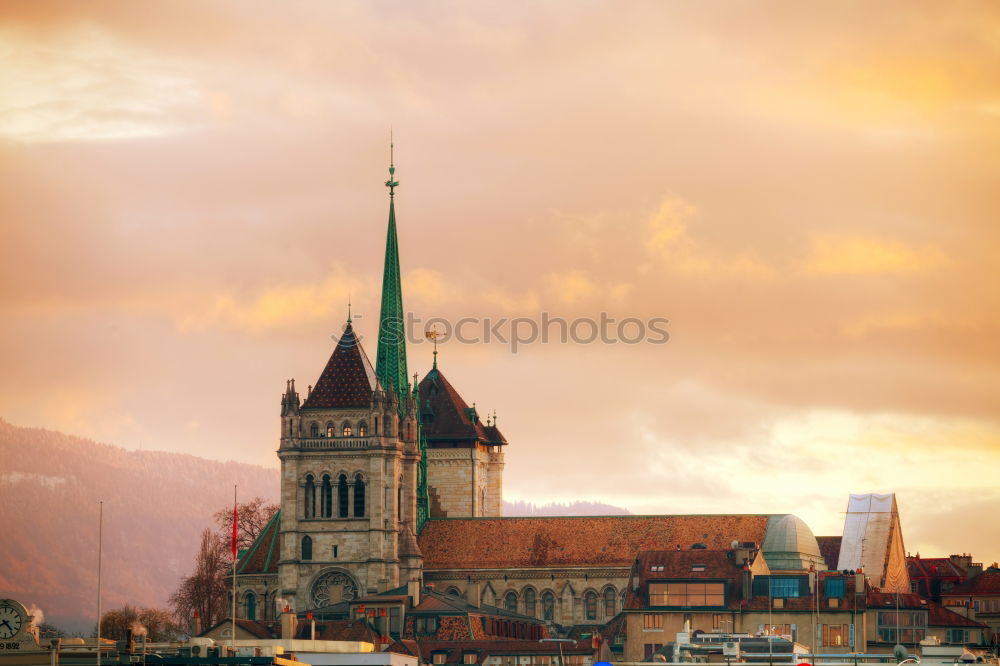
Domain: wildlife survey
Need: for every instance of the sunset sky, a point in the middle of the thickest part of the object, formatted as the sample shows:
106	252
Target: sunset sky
190	192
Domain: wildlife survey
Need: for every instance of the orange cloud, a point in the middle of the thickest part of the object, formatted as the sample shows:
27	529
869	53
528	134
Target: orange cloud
864	255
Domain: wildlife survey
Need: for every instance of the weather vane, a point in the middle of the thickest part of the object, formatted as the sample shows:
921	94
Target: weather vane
433	336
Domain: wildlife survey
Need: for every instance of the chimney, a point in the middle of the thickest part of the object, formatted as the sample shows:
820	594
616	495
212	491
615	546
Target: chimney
288	624
196	624
472	595
413	592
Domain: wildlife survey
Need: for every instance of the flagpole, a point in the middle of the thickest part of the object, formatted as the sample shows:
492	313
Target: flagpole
232	639
100	541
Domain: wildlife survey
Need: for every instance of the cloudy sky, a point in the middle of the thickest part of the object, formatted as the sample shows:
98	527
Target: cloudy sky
191	192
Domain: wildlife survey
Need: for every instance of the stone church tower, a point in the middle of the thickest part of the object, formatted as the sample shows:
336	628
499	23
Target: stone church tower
366	459
353	461
464	456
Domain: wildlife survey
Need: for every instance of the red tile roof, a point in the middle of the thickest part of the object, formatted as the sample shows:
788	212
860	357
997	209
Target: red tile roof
339	630
933	567
255	628
939	616
446	417
987	583
829	548
888	600
493	543
348	379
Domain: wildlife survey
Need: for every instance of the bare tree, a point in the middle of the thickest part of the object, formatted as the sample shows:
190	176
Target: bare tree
157	624
205	591
253	518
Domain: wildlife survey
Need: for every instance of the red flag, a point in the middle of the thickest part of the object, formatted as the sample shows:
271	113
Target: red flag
234	531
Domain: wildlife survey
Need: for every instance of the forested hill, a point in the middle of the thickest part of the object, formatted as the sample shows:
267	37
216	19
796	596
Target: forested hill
155	506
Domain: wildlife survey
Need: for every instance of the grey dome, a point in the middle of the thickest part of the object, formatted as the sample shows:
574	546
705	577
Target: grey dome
790	544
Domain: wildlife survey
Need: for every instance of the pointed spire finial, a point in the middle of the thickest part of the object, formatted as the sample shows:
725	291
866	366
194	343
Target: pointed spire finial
348	307
392	184
433	336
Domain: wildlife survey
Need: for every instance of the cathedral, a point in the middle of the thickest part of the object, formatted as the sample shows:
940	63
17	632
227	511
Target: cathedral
387	483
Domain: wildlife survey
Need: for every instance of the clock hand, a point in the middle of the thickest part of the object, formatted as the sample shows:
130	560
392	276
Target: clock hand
8	624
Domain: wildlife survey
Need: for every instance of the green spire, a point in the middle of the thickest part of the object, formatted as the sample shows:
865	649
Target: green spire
390	362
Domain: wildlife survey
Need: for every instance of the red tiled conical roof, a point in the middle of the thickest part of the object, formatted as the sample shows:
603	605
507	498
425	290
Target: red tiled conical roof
348	379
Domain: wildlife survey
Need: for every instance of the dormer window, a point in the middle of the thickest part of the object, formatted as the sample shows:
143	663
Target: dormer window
697	567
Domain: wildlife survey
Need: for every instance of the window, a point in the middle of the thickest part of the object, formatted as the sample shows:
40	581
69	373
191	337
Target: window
529	602
836	635
778	602
649	648
590	605
957	636
439	657
453	591
335	552
310	497
911	626
362	429
394	621
326	498
548	606
307	548
347	429
342	495
835	587
609	602
652	621
716	621
687	594
251	601
510	601
784	587
314	429
359	497
329	429
833	602
469	658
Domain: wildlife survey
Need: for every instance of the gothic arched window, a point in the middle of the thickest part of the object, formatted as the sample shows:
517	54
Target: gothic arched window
548	606
399	501
251	601
326	498
387	430
609	602
310	498
359	497
307	548
342	496
362	429
314	429
590	605
510	601
529	602
347	429
375	425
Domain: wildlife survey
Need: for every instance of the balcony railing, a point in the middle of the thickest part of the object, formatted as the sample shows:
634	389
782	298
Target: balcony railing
330	443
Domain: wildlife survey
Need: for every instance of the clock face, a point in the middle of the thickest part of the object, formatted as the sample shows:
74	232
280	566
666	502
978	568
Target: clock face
10	621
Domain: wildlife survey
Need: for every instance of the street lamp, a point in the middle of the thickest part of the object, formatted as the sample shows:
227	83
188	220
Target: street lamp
560	641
